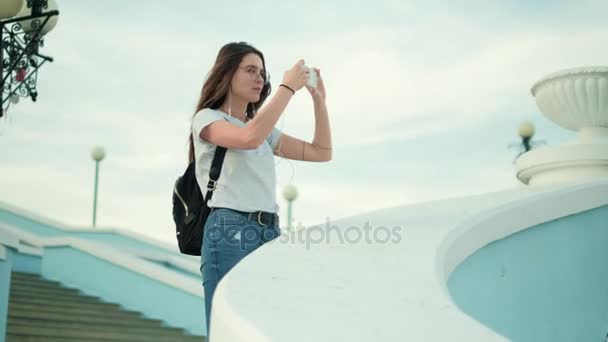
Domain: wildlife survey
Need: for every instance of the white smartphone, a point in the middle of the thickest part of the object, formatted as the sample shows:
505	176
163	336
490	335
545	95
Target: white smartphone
312	80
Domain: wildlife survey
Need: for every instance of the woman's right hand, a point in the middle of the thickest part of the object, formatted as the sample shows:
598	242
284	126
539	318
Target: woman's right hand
296	77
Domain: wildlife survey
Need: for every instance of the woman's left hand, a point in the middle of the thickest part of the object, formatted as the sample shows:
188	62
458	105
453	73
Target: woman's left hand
318	94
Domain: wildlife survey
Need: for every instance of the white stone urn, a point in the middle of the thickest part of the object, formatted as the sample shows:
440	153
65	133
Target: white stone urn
575	99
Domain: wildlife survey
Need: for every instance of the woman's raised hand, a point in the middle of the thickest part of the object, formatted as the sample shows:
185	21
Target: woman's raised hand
318	93
296	77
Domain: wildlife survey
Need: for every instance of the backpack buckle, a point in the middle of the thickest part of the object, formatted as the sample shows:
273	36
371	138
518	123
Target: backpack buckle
211	185
260	218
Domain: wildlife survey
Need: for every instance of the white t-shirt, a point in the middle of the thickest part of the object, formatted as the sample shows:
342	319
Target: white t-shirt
247	181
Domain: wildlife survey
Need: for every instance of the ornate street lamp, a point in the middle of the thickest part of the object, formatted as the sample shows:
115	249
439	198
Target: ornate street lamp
526	132
98	153
23	24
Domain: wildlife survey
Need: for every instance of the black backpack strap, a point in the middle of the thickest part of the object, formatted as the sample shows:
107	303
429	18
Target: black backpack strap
214	172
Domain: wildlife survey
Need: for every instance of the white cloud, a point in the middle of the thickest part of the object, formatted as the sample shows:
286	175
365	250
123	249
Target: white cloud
372	84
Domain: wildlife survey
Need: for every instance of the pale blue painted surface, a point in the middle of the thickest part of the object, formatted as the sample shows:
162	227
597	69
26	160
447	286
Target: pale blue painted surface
115	240
106	280
29	225
114	283
112	239
546	283
124	242
27	263
187	273
5	283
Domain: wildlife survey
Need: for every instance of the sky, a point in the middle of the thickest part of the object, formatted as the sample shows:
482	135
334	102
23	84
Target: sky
424	98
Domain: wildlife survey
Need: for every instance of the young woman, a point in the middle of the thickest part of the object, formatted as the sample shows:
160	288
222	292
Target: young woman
230	114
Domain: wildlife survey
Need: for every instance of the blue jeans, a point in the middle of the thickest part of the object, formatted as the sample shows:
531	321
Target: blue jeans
229	236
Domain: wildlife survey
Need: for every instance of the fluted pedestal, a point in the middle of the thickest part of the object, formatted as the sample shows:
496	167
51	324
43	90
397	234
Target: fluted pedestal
575	99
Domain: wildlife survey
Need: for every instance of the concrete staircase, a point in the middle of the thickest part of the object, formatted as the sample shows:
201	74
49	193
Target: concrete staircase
42	310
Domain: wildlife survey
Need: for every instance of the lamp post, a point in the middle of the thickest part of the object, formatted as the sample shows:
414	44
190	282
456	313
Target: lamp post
23	25
290	193
98	153
526	132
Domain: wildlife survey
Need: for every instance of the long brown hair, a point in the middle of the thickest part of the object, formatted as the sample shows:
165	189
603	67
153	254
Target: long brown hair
216	86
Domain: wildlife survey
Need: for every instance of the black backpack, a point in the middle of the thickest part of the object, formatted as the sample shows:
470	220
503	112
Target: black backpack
190	210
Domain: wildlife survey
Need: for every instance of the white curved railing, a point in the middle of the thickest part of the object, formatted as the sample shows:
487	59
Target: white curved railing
488	226
363	292
23	242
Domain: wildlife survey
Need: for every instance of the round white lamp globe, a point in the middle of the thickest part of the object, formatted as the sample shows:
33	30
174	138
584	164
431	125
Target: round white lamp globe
98	153
10	8
290	192
526	129
31	24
